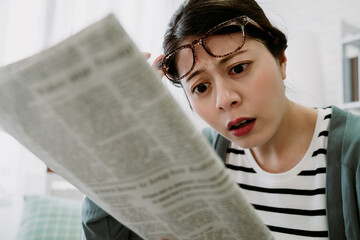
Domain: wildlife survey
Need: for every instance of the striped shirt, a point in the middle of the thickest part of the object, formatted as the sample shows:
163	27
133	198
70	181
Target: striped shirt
291	204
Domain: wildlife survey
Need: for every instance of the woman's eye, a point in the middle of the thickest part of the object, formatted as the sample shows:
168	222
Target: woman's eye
238	68
201	88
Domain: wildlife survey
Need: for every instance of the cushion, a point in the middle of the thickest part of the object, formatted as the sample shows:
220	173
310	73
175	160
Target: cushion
46	217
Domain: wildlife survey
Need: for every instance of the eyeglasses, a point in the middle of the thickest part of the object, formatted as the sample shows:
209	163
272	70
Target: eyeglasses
233	37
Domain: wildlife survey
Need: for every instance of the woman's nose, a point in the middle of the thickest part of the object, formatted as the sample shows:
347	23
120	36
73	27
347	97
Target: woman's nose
227	96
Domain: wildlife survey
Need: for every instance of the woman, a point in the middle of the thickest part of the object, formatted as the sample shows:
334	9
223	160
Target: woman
298	166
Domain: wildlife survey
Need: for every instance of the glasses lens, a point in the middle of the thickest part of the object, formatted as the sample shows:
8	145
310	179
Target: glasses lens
225	40
179	63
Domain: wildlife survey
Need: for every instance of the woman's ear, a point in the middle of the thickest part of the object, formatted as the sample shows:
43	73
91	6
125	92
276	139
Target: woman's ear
282	62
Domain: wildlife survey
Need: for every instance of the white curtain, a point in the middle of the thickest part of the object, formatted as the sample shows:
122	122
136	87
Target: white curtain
30	26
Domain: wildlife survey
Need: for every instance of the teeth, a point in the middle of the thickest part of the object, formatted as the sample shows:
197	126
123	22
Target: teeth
239	124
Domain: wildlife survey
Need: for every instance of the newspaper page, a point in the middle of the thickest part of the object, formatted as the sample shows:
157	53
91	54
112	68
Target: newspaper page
93	109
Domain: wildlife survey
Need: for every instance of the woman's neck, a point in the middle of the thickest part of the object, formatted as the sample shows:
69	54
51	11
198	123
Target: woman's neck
290	142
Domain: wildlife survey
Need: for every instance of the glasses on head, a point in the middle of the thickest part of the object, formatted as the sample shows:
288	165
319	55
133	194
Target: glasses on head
232	34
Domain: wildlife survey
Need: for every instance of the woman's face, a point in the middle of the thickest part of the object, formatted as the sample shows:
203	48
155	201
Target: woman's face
242	95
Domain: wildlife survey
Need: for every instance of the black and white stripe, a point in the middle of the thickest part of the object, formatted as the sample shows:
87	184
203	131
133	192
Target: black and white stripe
291	204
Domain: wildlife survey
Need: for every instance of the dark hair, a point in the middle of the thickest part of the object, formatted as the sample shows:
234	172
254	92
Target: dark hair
196	17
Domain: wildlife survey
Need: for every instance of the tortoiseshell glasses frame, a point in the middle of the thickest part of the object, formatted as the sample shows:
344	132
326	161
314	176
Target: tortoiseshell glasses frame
169	60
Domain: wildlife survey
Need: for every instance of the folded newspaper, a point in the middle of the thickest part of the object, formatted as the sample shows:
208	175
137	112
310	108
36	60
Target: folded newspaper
94	111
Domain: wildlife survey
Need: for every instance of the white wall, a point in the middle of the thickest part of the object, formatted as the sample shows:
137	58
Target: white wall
314	34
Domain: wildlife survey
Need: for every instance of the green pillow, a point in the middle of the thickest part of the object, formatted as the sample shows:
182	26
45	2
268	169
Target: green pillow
52	218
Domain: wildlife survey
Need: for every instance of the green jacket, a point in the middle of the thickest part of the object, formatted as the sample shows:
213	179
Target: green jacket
343	176
342	185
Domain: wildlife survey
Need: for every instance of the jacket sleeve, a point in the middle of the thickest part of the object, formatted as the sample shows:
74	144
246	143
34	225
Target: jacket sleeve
98	224
210	135
218	142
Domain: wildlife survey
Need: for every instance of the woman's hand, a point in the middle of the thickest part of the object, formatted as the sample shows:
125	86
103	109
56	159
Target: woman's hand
155	63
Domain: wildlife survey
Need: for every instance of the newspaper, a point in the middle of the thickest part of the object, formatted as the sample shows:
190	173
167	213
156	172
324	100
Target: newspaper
93	109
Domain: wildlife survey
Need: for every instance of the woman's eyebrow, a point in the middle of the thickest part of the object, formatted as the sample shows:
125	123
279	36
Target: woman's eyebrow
225	59
193	74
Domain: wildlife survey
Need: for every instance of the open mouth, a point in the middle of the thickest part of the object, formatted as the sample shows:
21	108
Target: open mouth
240	124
